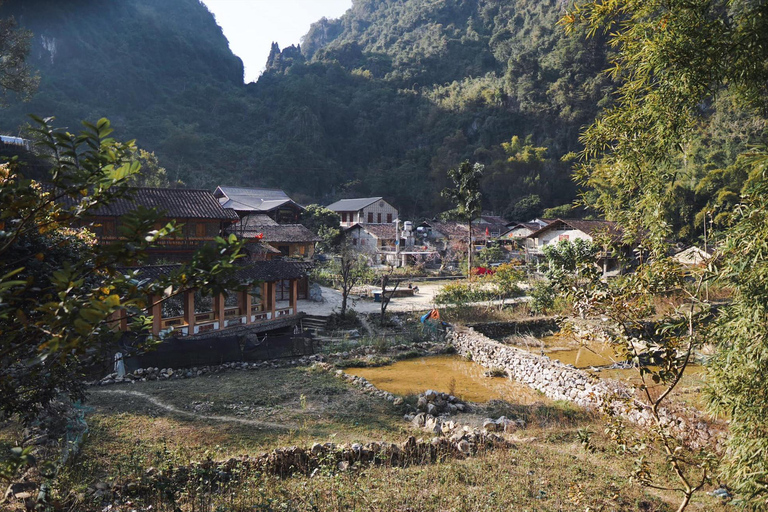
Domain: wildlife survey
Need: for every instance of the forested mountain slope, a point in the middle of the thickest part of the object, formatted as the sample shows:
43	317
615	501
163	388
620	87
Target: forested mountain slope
382	101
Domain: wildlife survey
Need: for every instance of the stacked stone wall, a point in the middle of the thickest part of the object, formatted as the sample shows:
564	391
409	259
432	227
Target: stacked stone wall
563	382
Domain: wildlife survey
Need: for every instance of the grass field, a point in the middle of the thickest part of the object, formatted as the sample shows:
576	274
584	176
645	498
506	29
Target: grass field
173	423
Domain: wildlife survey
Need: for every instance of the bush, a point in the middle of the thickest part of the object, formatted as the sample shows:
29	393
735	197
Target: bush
543	297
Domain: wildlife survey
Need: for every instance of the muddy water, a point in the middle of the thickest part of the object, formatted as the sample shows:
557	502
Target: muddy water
567	351
447	374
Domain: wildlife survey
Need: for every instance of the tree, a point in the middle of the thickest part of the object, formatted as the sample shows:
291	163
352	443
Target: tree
15	74
60	292
350	268
737	370
673	59
467	198
324	223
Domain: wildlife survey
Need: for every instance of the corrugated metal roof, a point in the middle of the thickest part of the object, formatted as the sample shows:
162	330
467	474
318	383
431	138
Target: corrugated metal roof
178	203
352	205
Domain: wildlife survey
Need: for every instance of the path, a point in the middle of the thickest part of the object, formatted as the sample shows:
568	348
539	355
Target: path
228	419
423	301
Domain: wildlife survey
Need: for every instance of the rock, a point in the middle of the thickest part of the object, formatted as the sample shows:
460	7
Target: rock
432	409
397	401
431	395
343	465
317	449
463	446
419	420
421	404
316	293
490	425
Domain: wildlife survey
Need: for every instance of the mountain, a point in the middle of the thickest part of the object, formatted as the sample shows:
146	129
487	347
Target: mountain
382	101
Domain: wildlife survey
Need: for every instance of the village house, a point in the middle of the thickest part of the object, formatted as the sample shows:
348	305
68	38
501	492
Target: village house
199	214
267	291
692	256
258	301
523	229
268	240
271	202
367	210
574	229
379	241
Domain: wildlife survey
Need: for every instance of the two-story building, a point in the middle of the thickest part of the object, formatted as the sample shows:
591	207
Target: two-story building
199	214
366	210
272	202
267	290
596	231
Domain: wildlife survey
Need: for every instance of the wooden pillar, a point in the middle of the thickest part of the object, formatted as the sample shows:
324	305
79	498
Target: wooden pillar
189	311
156	310
218	309
119	320
244	303
272	294
294	295
264	300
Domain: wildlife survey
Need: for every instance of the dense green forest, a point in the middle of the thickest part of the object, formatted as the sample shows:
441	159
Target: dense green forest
383	101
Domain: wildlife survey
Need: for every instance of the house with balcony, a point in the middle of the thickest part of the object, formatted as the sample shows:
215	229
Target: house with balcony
200	215
258	301
365	210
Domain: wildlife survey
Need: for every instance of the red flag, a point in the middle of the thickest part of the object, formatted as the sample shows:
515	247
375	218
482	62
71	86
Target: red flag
487	233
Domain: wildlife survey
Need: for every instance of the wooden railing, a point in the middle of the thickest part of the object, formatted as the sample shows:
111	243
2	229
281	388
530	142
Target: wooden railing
206	321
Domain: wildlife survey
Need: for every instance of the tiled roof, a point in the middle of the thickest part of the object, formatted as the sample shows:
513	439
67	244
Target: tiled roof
254	271
255	219
380	231
252	199
281	233
253	225
352	205
590	227
451	229
178	203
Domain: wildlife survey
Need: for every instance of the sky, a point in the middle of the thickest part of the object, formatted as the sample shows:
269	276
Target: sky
252	25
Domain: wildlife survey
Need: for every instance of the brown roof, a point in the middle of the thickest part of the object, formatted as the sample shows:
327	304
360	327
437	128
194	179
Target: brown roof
380	231
177	203
273	270
451	229
590	227
278	233
253	225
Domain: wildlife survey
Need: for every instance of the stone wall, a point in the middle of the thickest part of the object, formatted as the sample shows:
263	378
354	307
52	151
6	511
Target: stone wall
562	382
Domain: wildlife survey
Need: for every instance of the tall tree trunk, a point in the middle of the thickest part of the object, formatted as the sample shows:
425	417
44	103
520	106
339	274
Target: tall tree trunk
343	303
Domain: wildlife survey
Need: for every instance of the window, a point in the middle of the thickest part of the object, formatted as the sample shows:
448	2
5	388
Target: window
201	230
378	218
354	241
285	250
370	217
562	237
343	216
389	218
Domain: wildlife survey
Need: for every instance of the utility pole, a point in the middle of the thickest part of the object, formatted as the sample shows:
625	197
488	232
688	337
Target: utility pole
397	243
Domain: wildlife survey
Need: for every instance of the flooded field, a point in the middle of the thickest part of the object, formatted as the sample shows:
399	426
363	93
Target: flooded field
568	351
448	374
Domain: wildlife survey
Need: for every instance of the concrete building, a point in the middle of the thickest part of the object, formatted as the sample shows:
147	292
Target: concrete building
366	210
